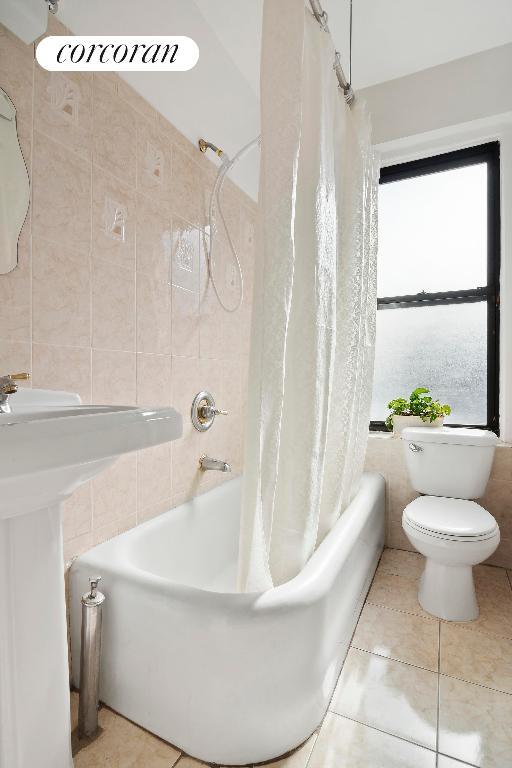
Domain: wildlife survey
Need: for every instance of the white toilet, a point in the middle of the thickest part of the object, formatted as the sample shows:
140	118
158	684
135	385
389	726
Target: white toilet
449	466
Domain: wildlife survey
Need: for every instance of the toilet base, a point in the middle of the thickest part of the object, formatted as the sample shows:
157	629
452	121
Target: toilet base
448	591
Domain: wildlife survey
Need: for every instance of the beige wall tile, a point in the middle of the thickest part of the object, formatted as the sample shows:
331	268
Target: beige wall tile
16	357
64	368
186	255
154	161
113	219
61	193
100	154
153	476
114	492
113	307
154	316
154	380
77	513
61	295
502	465
154	238
15	293
186	200
63	108
114	378
185	323
114	134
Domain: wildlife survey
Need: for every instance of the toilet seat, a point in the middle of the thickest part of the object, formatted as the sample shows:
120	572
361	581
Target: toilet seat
450	519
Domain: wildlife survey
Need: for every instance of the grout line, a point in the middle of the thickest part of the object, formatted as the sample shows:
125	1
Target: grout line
387	733
477	685
393	658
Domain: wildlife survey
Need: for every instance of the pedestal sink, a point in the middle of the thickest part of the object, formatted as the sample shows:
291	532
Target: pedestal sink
49	445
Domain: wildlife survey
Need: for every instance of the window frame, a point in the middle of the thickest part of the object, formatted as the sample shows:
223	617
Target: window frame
488	153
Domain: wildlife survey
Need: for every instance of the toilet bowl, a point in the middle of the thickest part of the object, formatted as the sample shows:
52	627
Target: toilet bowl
453	535
449	466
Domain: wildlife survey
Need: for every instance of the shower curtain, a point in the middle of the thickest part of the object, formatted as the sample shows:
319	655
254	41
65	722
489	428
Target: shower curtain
313	331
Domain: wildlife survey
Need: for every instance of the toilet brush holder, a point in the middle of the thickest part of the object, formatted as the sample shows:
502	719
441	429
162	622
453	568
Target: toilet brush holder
92	606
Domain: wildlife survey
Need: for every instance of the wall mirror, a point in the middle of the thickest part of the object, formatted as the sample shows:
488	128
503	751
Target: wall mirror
14	186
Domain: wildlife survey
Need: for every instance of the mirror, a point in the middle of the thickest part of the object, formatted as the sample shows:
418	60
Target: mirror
14	186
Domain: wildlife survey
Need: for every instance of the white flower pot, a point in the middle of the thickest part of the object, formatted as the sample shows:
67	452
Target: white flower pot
401	422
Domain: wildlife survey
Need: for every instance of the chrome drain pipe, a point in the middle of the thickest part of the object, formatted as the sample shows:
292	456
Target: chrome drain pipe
92	605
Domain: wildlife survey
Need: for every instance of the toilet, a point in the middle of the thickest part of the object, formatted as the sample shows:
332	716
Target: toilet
449	467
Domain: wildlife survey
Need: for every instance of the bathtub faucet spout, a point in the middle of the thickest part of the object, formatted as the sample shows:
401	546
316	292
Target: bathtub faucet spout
205	462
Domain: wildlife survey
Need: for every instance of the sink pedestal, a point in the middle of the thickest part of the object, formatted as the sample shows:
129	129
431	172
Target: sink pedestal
35	725
49	445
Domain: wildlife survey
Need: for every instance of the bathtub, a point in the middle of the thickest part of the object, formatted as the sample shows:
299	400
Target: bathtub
228	678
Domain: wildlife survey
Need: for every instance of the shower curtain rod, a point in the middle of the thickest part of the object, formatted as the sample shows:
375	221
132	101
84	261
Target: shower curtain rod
321	16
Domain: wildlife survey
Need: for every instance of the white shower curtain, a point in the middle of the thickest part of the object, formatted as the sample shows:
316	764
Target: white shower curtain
313	331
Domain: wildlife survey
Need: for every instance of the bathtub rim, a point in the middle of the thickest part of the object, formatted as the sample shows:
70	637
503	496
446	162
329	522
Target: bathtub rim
304	588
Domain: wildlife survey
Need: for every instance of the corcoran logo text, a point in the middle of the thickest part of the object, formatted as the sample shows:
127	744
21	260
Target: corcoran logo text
102	53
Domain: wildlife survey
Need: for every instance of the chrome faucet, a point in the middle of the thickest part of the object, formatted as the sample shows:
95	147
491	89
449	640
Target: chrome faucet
9	386
205	463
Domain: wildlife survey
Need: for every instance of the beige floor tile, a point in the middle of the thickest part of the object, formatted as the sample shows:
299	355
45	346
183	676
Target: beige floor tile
489	578
474	724
396	592
298	758
397	562
120	744
190	762
476	657
495	610
400	636
388	695
343	743
449	762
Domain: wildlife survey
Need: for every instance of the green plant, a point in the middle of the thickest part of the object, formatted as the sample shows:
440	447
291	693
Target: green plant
419	404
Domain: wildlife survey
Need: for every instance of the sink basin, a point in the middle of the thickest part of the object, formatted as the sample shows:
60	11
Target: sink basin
69	443
49	444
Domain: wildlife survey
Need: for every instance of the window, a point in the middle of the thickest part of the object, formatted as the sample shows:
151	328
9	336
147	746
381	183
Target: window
438	284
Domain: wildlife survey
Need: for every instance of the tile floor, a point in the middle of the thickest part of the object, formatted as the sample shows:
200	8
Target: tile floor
414	692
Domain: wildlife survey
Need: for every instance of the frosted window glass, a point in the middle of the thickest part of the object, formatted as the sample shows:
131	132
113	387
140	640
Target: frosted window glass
433	232
442	348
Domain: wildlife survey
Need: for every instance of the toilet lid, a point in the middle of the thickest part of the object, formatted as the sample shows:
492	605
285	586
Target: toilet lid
450	517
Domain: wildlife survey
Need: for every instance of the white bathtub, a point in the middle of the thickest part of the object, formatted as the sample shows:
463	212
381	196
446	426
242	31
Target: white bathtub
228	678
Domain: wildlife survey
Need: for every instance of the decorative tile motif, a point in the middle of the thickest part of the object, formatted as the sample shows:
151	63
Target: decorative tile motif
65	96
114	219
185	256
154	162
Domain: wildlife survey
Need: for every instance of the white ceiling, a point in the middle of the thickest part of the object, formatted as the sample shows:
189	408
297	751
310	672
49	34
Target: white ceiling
391	38
219	98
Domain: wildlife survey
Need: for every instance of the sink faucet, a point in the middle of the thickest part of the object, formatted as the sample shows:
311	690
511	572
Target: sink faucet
8	386
205	462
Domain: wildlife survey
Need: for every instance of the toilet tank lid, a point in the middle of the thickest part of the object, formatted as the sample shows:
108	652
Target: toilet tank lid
450	435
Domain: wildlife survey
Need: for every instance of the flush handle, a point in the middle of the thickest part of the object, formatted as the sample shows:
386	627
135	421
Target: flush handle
415	448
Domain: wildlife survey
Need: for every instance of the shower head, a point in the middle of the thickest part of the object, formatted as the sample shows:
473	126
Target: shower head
205	145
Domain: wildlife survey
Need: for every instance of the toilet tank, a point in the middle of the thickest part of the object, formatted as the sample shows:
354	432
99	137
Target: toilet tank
453	462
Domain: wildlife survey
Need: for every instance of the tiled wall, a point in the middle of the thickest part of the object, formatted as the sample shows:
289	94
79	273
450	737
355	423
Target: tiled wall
385	455
111	297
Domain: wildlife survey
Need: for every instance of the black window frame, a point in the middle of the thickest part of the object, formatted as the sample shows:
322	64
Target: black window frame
488	153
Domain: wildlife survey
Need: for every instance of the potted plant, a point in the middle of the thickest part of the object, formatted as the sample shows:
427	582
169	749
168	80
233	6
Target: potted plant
420	410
